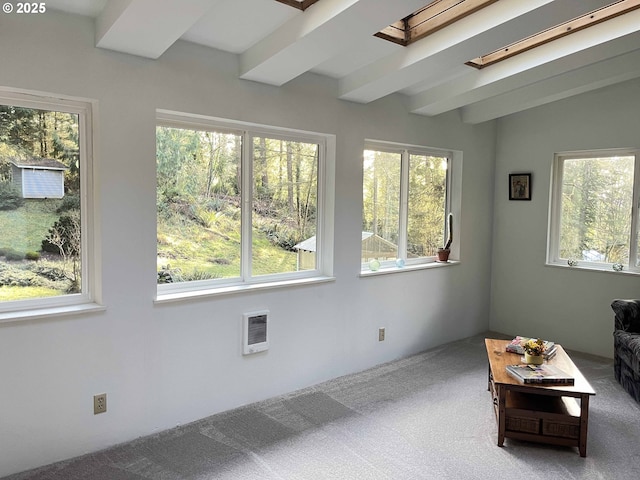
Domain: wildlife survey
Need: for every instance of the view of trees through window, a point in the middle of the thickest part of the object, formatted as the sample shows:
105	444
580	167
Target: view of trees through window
285	196
381	205
40	238
427	201
198	187
200	174
395	229
597	199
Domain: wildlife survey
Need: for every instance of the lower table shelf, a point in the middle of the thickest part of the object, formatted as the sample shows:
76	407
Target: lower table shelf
547	416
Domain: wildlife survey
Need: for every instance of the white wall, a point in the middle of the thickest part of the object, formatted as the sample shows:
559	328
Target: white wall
570	306
164	365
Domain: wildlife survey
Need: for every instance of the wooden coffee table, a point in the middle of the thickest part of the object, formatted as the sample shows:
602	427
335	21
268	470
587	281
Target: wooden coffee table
553	414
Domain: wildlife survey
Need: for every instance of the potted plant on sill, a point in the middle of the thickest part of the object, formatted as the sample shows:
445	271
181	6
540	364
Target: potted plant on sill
443	253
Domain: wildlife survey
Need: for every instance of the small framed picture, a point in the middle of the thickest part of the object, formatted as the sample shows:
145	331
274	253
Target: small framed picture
519	186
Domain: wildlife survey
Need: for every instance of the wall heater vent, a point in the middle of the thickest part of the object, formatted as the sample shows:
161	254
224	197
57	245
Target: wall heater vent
255	332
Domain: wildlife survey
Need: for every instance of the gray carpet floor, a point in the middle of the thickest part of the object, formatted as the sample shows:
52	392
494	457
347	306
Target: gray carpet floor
424	417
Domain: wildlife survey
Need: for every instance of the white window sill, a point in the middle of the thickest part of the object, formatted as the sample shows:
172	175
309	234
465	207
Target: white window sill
408	268
47	312
241	288
594	268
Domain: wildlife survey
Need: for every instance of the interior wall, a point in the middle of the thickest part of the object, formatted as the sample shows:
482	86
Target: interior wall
568	305
169	364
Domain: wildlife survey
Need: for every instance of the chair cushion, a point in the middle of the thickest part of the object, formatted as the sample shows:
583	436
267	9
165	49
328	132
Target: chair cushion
627	315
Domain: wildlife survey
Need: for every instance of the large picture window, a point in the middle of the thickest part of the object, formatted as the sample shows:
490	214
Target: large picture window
45	152
594	219
405	204
239	204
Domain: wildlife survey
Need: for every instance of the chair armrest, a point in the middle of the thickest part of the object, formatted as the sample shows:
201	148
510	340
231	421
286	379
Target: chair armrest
627	315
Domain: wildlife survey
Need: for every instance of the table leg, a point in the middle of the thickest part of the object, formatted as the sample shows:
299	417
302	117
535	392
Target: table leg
502	394
584	422
489	379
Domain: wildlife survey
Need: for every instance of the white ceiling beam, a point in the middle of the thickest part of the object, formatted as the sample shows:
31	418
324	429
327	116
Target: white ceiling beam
435	54
591	77
316	35
614	37
258	19
369	50
488	29
147	28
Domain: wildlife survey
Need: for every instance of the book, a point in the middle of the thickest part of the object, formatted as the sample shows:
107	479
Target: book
549	354
539	374
515	346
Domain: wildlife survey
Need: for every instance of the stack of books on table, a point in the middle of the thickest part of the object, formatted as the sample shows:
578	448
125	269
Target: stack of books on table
516	347
541	374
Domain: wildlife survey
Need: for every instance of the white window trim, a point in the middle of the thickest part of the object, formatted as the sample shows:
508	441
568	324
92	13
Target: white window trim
324	229
555	212
90	298
453	204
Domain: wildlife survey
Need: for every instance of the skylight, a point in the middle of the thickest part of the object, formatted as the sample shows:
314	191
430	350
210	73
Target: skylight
299	4
429	19
553	33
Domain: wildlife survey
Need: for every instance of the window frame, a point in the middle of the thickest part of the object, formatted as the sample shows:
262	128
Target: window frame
324	228
555	211
405	151
89	297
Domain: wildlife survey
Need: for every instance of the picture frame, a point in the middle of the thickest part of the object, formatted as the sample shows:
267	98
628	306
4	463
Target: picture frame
519	186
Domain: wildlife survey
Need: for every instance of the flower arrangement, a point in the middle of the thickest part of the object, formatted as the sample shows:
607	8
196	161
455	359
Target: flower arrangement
534	346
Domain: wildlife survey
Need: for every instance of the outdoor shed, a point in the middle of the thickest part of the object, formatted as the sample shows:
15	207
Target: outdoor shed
39	177
376	247
373	246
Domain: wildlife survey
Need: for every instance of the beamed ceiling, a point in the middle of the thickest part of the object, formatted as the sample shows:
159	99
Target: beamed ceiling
276	41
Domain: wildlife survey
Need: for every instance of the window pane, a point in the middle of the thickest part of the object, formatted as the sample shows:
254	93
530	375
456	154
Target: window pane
427	202
597	196
381	205
40	234
198	204
285	201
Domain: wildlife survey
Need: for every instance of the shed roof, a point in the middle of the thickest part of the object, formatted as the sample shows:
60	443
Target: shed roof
38	162
309	245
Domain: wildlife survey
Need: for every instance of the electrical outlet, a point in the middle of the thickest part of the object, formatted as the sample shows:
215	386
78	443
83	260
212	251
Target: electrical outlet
99	403
381	334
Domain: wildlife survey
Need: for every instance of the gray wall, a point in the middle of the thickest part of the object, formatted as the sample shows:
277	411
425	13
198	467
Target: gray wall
164	365
570	306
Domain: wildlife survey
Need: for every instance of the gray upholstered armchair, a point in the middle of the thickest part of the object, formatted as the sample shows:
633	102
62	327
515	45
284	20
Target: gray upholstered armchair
626	345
